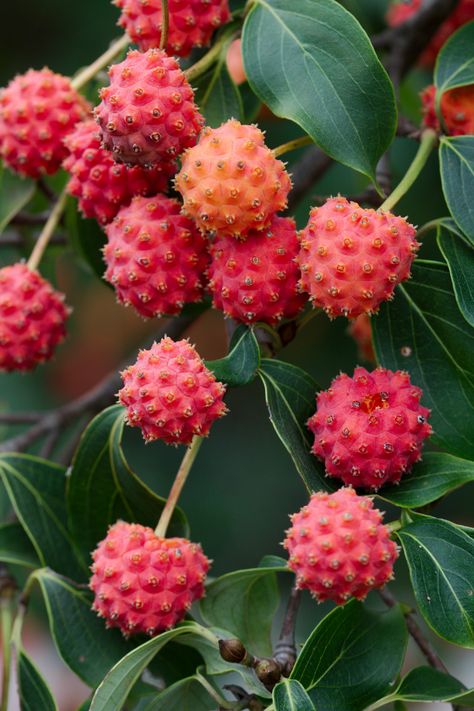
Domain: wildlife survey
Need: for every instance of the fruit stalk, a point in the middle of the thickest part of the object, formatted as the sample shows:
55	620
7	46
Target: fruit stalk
177	487
48	231
7	592
165	23
292	145
203	64
89	72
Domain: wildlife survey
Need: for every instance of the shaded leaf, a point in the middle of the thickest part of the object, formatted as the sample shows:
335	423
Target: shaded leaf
456	155
455	61
15	193
186	695
33	690
87	238
289	695
427	684
240	365
217	96
15	546
459	256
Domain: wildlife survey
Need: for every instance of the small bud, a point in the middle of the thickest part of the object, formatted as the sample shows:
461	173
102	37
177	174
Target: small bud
269	672
232	650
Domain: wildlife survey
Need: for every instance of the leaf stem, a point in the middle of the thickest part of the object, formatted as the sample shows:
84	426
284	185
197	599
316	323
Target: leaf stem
394	526
203	64
7	593
292	145
223	703
428	226
427	143
100	63
165	23
177	487
48	231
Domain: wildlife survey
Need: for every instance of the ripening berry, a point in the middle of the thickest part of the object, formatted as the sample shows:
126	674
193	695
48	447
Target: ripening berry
143	583
147	114
155	257
339	548
170	394
352	258
191	22
37	110
457	109
101	185
369	429
231	182
234	61
256	280
360	329
32	318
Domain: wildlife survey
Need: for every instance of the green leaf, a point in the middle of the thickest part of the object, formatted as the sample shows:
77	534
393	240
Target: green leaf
16	547
352	657
15	193
244	602
33	690
459	256
440	557
102	488
289	695
217	96
455	62
438	474
87	238
290	393
456	155
36	489
186	695
427	684
424	332
313	63
240	365
80	636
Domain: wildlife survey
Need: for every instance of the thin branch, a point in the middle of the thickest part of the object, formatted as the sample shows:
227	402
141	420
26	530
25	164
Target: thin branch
306	172
46	190
18	240
285	649
30	219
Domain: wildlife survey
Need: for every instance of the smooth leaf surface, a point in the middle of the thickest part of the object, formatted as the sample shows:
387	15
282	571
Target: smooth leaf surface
352	657
290	695
459	256
440	557
435	476
217	96
426	684
455	62
290	394
240	365
33	690
186	695
313	63
456	155
15	193
16	548
102	488
87	238
424	332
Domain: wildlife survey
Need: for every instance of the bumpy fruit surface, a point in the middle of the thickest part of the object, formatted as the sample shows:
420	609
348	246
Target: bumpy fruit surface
339	547
457	109
155	257
231	182
191	22
352	258
369	429
170	394
360	329
143	583
101	185
37	110
32	318
256	280
400	11
147	114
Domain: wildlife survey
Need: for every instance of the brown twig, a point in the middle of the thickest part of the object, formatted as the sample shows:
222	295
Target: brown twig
30	218
285	649
306	172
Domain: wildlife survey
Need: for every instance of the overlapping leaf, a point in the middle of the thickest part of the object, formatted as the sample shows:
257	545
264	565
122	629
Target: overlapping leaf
290	695
15	193
459	256
455	62
456	155
240	365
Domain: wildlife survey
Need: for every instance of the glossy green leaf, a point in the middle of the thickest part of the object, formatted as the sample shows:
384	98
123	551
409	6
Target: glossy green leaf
87	238
456	155
459	256
244	602
15	193
440	557
217	96
455	62
102	488
80	636
424	332
16	548
313	63
36	489
290	393
438	474
186	695
352	643
426	684
33	690
240	365
290	695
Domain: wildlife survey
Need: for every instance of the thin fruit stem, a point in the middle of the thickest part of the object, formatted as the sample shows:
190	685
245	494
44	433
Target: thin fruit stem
439	113
103	61
292	145
223	703
165	23
48	231
427	143
6	621
201	66
394	526
177	487
429	226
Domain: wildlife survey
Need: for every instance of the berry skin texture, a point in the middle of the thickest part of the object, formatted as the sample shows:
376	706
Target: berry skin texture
231	182
147	114
360	329
339	548
457	109
37	110
352	258
191	22
399	12
369	429
155	257
170	394
32	318
256	280
234	62
143	583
